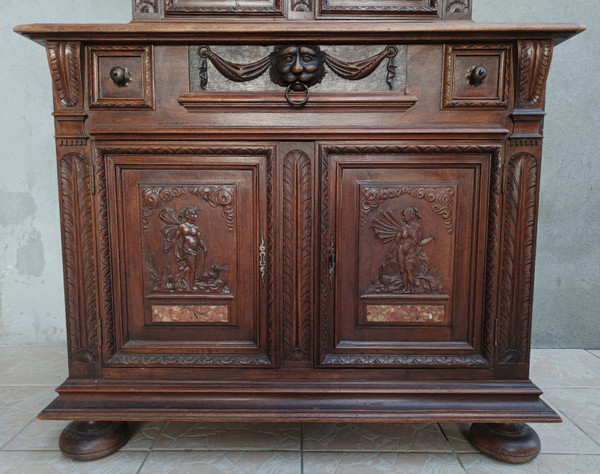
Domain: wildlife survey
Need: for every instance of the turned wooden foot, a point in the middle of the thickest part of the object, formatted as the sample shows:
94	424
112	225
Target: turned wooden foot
89	440
509	442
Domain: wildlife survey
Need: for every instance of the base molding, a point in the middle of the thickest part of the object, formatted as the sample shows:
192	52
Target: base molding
325	402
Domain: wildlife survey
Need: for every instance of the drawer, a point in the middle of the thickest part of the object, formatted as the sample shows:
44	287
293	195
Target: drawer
121	77
476	75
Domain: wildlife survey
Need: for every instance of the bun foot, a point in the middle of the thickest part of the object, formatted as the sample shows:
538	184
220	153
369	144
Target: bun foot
89	440
509	442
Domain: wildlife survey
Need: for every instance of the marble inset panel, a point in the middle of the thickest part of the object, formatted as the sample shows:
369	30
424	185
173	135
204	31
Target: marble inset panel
393	313
190	314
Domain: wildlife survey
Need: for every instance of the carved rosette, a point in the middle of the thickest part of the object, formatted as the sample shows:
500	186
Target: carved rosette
65	66
297	266
517	261
146	6
79	263
441	200
534	63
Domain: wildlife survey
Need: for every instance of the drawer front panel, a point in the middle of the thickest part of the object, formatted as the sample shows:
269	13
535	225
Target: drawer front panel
404	243
476	76
189	248
121	77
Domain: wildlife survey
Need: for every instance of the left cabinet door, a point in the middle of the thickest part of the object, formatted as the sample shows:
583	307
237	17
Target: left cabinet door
185	251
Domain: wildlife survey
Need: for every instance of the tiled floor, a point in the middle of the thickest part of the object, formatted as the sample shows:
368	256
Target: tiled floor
28	376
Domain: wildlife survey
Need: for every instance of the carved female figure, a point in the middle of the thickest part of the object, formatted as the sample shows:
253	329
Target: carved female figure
406	254
186	242
410	242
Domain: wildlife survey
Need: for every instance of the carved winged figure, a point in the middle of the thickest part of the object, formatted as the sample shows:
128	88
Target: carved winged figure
183	237
407	268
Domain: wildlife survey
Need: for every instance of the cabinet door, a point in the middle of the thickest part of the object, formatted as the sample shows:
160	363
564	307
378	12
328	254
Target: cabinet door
186	245
406	235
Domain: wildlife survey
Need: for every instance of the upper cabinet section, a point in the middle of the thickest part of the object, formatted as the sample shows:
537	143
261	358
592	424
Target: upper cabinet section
303	9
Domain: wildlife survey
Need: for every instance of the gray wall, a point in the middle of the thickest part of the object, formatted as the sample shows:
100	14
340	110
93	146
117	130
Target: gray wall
567	286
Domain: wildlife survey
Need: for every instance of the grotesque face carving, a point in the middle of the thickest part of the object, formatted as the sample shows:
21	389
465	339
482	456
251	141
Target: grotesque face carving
299	65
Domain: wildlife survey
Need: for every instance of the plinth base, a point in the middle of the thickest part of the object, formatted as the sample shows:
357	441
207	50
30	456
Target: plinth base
509	442
89	440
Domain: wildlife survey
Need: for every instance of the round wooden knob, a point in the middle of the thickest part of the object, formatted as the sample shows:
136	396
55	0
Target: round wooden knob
477	75
120	76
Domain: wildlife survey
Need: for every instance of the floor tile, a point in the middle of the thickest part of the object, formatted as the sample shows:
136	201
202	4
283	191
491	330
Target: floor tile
371	463
33	365
11	423
457	436
543	464
18	407
53	462
226	462
564	368
595	353
43	435
378	437
230	436
581	406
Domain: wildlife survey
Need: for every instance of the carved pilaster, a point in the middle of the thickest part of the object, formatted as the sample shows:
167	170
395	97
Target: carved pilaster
297	262
75	175
520	216
76	187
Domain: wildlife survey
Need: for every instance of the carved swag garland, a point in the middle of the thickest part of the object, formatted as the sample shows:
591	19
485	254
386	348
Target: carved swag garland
297	68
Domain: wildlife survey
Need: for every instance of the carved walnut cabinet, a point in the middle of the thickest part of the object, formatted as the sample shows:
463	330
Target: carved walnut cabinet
299	211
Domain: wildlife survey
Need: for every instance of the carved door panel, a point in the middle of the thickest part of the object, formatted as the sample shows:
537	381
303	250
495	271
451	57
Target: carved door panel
403	242
190	247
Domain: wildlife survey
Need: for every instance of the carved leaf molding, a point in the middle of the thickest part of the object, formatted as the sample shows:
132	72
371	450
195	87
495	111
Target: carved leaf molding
78	244
441	200
534	63
517	261
429	7
492	239
297	244
65	66
176	6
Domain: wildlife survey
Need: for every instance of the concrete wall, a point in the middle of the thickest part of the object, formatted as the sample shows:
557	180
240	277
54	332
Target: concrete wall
567	287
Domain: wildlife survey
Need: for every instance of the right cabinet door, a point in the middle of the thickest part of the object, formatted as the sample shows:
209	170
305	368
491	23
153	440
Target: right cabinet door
409	241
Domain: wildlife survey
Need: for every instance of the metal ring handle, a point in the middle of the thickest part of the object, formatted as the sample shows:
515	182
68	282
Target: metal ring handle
298	103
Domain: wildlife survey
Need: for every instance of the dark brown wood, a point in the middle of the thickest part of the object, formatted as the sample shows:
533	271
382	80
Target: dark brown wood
232	255
90	440
514	443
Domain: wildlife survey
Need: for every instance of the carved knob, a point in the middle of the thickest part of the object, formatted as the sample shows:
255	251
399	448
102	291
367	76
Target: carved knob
476	75
120	76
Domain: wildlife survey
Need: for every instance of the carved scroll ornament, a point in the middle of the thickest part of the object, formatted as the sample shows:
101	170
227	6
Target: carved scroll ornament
534	63
297	68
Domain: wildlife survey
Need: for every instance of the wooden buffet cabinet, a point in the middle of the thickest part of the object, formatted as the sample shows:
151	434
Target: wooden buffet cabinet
293	211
